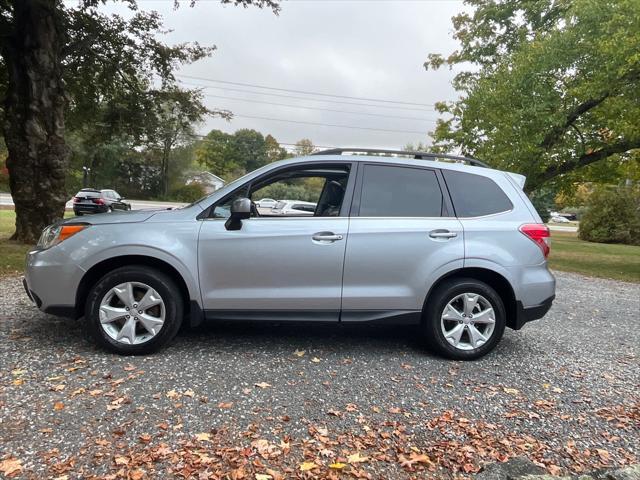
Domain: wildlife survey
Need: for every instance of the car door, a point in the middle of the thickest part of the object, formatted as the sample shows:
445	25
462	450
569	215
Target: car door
402	237
273	268
117	201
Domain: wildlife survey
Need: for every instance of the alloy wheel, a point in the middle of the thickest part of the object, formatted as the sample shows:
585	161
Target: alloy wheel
132	313
468	321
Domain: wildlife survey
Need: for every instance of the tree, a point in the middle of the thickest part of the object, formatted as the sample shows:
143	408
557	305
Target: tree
177	111
214	153
46	47
248	149
304	147
553	88
273	149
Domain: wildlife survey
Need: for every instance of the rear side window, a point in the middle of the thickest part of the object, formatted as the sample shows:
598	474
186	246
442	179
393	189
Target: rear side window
400	192
475	195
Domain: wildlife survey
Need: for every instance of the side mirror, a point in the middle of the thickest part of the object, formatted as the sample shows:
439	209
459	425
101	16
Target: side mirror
240	210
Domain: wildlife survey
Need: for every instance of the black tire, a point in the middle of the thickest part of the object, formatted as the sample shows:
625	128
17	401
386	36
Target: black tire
160	282
438	300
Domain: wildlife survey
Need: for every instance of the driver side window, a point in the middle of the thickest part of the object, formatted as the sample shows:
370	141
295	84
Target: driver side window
299	192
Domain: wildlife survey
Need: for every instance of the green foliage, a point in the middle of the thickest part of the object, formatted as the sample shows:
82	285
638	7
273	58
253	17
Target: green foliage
553	88
613	216
231	155
543	201
188	193
304	147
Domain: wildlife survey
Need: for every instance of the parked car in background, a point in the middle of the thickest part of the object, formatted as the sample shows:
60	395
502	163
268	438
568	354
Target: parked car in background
90	200
266	203
559	219
293	207
419	239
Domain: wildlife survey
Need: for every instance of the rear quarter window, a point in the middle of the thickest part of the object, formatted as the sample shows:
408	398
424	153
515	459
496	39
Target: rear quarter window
475	195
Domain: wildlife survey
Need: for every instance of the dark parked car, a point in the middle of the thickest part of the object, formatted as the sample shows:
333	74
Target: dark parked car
90	200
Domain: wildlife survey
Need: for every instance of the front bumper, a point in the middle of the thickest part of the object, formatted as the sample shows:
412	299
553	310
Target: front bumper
528	314
51	280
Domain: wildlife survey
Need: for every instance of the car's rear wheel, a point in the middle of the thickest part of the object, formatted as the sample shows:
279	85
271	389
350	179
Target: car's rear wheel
464	319
134	310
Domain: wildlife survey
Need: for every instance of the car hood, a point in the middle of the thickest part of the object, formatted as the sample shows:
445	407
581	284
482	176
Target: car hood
130	216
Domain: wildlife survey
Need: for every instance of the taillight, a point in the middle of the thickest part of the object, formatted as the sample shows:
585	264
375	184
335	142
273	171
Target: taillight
98	201
539	233
76	199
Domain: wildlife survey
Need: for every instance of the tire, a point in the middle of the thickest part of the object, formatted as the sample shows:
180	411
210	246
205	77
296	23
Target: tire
455	291
140	276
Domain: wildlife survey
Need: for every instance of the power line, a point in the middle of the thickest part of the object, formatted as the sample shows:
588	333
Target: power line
305	91
327	124
321	109
306	98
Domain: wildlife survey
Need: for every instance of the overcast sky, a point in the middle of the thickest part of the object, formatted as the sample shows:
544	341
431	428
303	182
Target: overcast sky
356	48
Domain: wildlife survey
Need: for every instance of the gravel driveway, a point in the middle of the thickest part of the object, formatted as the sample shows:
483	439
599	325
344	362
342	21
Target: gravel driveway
264	401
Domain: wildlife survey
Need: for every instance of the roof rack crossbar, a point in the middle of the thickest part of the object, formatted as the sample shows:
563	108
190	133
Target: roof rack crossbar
416	155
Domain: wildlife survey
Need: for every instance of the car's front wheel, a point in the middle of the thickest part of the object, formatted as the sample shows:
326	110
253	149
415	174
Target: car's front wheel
464	319
134	310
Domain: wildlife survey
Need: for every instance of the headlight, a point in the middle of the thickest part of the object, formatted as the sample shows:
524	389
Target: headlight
54	234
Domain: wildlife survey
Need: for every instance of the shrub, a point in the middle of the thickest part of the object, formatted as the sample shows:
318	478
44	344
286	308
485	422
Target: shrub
188	193
613	216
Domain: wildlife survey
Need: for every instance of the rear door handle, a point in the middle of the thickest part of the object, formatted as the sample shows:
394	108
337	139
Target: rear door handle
326	237
442	234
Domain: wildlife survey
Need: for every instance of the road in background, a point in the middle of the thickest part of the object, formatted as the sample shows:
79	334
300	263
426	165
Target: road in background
6	200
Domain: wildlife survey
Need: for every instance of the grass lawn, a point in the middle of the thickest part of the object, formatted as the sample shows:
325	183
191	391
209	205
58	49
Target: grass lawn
568	253
11	253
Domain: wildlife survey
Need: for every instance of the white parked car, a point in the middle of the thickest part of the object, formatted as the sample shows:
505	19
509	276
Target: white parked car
294	208
266	203
559	219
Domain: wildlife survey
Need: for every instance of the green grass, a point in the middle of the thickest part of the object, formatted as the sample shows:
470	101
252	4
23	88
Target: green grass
568	253
12	254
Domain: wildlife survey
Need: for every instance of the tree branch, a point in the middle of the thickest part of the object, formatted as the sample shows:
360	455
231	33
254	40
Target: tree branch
589	158
558	131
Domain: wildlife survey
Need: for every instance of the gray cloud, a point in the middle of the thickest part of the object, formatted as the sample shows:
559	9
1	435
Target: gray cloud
369	49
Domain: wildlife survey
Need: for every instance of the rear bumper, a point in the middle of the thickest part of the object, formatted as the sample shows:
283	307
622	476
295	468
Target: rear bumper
528	314
86	208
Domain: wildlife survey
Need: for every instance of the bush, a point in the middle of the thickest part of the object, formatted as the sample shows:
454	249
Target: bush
613	216
188	193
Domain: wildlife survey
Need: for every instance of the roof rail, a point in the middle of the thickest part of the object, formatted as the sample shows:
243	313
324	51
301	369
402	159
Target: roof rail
416	155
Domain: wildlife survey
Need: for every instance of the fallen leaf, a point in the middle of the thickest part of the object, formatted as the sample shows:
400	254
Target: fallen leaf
58	406
18	382
189	393
299	353
262	385
338	465
315	360
225	405
511	391
356	458
203	437
263	476
172	394
11	466
145	438
128	368
305	466
58	388
120	460
17	372
136	474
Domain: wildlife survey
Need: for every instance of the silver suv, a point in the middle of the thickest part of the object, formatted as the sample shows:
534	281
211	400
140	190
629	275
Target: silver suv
399	238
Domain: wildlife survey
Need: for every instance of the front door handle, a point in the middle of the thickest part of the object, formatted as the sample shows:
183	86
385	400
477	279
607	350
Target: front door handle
442	234
326	237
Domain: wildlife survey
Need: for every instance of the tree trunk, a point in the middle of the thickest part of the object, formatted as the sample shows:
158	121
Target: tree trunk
166	153
34	116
